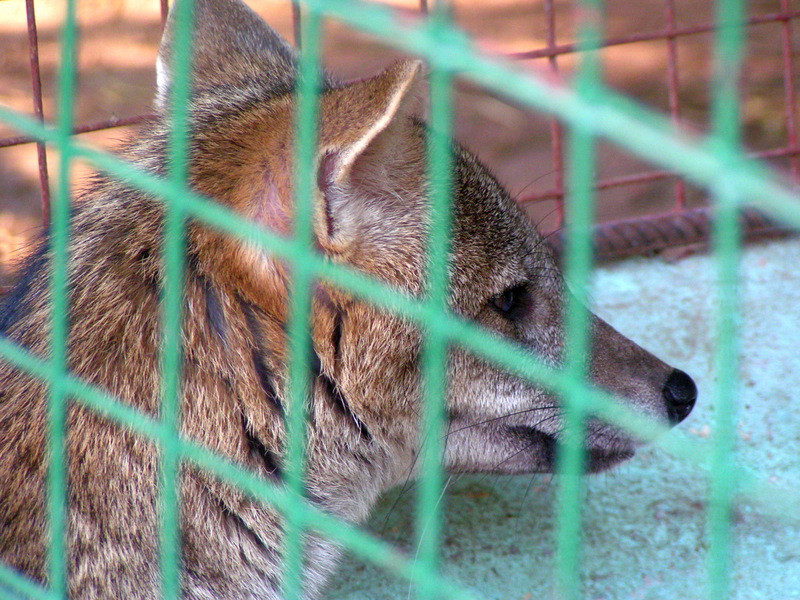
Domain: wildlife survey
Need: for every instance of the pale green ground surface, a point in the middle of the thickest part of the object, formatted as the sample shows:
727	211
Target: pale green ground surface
645	525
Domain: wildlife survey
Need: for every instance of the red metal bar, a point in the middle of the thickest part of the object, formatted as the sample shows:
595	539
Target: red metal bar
555	194
673	88
38	109
296	23
777	153
690	228
618	238
85	128
652	36
556	132
648	176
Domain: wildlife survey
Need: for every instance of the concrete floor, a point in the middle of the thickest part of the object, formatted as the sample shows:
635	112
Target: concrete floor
645	525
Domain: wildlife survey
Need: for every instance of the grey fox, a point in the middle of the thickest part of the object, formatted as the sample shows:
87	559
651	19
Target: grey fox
363	430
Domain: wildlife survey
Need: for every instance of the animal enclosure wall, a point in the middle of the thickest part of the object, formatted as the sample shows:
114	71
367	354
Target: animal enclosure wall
585	121
658	52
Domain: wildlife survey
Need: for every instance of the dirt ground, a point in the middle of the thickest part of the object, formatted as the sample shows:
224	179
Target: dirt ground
116	78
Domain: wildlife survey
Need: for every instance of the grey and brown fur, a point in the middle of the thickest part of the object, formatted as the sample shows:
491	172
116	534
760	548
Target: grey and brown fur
363	429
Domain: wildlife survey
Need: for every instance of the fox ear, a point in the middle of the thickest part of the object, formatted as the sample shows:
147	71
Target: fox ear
231	45
362	129
351	117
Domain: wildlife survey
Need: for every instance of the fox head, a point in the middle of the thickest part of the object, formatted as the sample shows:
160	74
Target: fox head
372	213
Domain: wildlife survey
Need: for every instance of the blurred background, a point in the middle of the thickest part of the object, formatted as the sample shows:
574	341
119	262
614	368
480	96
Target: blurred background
119	40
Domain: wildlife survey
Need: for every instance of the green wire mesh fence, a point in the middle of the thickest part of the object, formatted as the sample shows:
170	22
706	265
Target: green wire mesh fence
590	111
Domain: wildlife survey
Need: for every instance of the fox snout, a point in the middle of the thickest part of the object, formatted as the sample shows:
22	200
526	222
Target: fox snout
516	427
607	446
626	369
680	394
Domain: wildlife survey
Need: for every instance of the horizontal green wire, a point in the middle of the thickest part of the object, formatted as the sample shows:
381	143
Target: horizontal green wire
515	359
784	503
362	544
23	586
651	136
484	344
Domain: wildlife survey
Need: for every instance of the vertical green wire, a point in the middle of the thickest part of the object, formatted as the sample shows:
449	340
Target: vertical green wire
579	213
726	238
300	298
172	302
434	347
59	240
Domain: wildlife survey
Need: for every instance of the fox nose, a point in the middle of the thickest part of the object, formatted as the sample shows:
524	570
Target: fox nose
680	392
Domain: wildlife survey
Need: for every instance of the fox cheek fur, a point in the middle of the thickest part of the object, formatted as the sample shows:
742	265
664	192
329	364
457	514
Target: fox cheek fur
371	213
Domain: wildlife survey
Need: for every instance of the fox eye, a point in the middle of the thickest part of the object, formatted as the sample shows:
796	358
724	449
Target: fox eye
506	302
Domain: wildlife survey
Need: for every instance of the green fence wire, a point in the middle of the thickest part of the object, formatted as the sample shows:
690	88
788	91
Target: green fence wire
172	304
580	149
728	51
59	234
590	111
434	350
300	305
